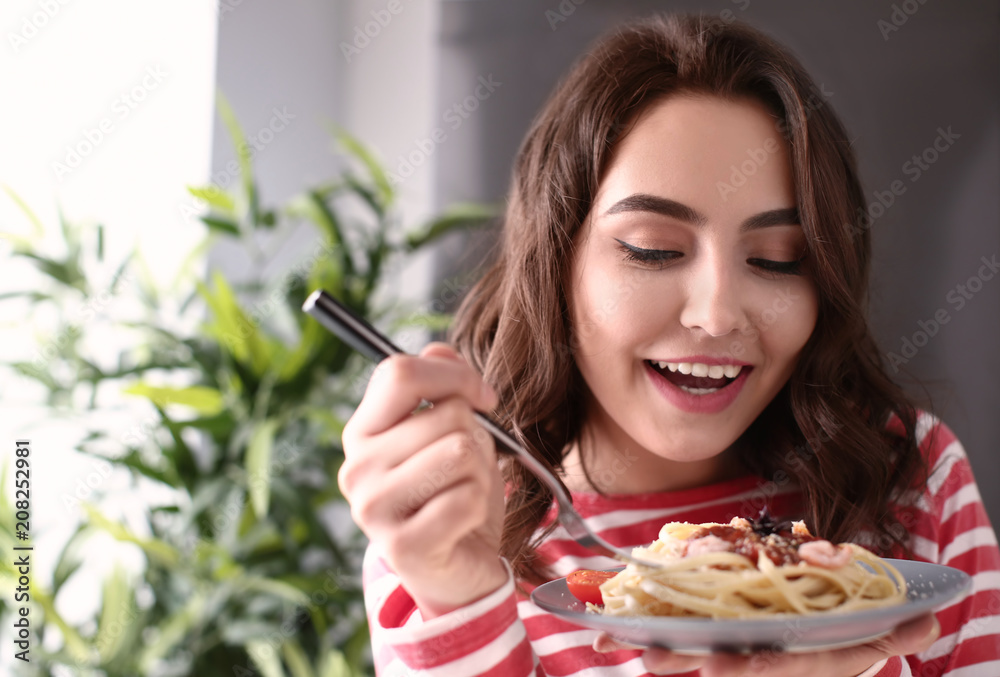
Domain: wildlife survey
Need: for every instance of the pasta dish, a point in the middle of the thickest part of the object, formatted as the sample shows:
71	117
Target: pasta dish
749	570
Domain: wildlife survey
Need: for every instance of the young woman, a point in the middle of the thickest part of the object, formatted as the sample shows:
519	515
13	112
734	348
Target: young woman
676	324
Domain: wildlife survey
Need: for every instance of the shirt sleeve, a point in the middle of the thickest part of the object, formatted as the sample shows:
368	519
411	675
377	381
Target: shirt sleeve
949	525
484	638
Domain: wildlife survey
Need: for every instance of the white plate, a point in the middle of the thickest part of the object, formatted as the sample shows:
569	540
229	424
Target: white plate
929	587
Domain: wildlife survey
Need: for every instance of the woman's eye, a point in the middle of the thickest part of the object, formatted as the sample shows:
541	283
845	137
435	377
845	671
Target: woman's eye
655	258
777	268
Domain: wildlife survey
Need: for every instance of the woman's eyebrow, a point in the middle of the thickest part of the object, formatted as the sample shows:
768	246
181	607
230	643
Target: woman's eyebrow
774	217
643	202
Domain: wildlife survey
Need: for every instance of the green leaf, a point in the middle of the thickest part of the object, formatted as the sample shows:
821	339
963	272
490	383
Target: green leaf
258	466
242	631
155	549
118	610
327	273
39	229
428	321
234	330
219	426
328	222
221	225
148	290
296	659
370	198
265	658
187	271
236	134
172	632
33	296
75	644
378	175
69	559
204	400
215	197
455	218
277	588
243	156
334	664
122	267
39	373
66	272
357	644
133	460
332	425
312	335
179	456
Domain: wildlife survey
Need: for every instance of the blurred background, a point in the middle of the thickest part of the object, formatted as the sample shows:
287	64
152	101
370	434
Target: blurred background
111	114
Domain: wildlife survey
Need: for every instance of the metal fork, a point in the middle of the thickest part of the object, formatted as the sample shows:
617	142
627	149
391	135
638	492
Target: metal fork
371	343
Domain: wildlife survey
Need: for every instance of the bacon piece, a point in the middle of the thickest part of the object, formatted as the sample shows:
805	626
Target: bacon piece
825	554
707	544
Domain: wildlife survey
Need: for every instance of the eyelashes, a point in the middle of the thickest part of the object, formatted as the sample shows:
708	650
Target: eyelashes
779	267
655	257
659	258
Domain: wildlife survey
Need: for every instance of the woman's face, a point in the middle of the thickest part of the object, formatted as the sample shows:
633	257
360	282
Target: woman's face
690	302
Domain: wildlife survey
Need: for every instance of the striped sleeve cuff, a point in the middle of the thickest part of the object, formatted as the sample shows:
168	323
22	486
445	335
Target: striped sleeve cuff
486	628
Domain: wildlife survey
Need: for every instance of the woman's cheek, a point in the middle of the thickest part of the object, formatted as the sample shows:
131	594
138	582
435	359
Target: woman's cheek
787	312
604	305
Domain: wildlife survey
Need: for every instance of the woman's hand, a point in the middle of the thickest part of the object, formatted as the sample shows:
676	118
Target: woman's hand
909	638
424	484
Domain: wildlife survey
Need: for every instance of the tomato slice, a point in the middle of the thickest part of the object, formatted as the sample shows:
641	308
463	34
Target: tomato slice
585	584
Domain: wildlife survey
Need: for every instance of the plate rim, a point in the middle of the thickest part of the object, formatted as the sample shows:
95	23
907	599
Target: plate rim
819	622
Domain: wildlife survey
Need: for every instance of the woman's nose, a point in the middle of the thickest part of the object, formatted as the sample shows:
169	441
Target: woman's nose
715	301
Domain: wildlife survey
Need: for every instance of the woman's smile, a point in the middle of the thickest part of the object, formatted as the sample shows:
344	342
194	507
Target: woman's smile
699	384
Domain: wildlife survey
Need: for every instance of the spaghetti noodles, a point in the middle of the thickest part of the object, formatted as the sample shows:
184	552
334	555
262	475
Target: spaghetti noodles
739	571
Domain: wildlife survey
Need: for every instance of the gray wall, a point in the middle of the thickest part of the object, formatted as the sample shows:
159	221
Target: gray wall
277	63
893	91
312	59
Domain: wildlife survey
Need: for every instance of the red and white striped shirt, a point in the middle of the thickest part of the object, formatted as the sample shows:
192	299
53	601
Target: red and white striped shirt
504	634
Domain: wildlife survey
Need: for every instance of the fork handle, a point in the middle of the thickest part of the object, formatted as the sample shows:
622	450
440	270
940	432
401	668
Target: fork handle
371	343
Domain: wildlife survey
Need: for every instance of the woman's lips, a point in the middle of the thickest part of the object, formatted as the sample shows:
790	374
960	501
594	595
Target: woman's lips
696	402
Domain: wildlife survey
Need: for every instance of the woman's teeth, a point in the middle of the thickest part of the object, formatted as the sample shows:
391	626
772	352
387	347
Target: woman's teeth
699	369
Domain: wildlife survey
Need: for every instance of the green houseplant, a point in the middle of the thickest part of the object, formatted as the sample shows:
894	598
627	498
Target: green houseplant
243	575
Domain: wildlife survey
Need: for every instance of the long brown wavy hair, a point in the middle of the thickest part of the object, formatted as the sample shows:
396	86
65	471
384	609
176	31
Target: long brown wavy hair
827	427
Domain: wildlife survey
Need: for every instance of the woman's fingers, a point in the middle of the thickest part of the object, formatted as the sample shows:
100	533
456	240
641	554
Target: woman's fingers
423	482
402	382
447	518
912	637
661	661
605	643
918	635
402	491
664	662
380	453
